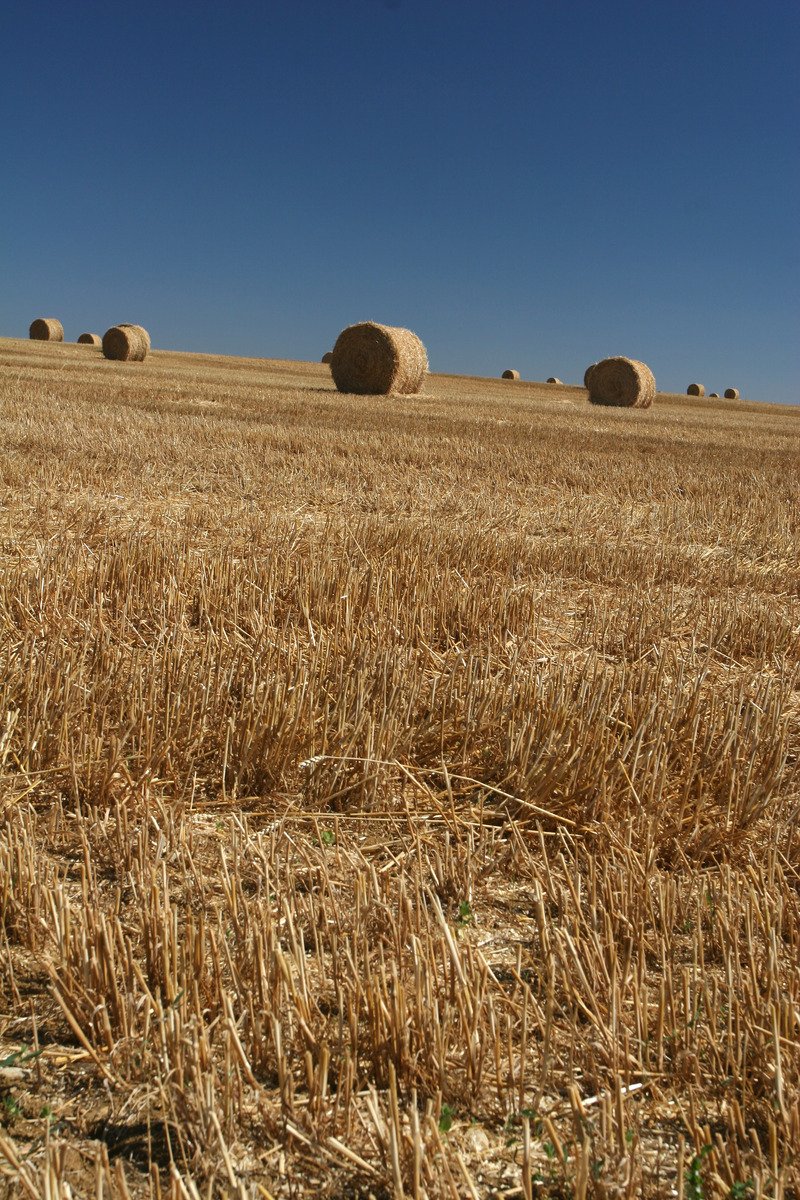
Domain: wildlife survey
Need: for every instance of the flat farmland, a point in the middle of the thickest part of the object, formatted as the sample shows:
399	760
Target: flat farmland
399	796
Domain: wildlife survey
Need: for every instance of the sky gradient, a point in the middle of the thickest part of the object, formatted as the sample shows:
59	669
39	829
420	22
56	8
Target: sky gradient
523	184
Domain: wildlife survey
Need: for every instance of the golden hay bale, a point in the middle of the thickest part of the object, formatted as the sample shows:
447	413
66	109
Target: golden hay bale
731	393
90	339
510	375
47	329
142	330
713	395
374	360
126	343
553	379
326	358
587	373
622	383
695	389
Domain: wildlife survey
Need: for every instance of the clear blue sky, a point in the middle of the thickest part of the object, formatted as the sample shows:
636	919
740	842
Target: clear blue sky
524	184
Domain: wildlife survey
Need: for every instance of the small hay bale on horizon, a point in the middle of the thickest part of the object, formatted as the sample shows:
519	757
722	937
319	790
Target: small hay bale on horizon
587	374
695	389
126	343
375	360
90	339
510	374
731	393
621	382
46	329
553	379
713	395
326	358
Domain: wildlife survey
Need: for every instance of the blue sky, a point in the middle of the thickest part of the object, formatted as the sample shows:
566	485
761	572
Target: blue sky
528	185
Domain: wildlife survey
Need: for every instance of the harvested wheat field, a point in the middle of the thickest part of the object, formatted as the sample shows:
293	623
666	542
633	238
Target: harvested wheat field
400	795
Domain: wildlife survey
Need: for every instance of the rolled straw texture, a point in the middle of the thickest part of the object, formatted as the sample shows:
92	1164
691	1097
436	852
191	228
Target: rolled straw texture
510	375
731	393
90	339
622	383
46	329
374	360
126	343
695	389
326	358
553	379
142	330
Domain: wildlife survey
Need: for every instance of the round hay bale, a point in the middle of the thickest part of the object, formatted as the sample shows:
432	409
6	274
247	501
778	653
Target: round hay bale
731	393
587	373
713	395
695	389
622	383
374	360
553	379
326	358
510	375
142	330
90	339
126	343
46	329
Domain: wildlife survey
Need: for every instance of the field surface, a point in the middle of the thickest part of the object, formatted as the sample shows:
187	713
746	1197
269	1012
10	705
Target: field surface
398	796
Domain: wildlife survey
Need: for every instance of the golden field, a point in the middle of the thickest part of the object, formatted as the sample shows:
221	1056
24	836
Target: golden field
400	796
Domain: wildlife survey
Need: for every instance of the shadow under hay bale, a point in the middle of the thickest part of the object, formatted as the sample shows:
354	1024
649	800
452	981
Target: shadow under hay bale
510	375
374	360
622	383
695	389
90	339
126	343
46	329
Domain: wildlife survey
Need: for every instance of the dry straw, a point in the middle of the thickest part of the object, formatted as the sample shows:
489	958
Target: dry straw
326	358
731	393
126	343
47	329
695	389
374	360
510	375
622	383
553	379
90	339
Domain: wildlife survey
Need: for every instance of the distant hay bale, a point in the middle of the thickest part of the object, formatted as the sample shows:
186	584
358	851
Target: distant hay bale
510	375
326	358
126	343
46	329
374	360
731	393
553	379
622	383
587	373
695	389
713	395
90	339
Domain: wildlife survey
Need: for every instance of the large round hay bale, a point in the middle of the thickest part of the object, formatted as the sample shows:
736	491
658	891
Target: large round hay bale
622	383
731	393
126	343
553	379
326	358
695	389
374	360
90	339
142	330
510	374
587	373
713	395
46	329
